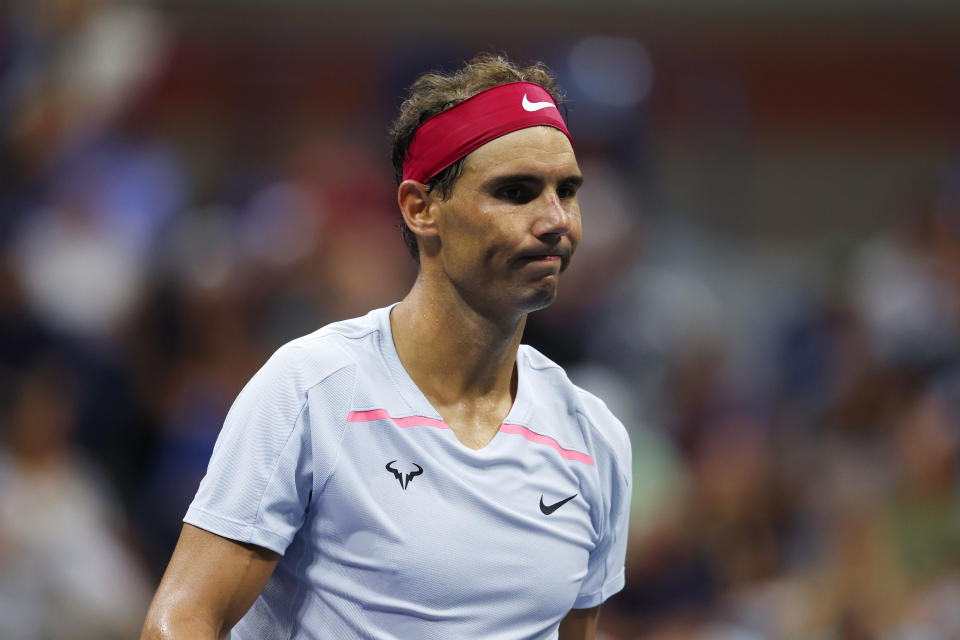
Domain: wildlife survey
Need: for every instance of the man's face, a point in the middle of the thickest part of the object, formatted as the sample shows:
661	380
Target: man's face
512	221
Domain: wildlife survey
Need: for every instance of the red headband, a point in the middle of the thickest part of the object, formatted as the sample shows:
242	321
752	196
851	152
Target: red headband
452	134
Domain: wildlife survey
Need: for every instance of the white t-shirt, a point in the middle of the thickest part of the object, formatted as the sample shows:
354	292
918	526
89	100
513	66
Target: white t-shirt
391	528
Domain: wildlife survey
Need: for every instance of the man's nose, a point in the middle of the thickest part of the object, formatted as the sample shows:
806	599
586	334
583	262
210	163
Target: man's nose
555	216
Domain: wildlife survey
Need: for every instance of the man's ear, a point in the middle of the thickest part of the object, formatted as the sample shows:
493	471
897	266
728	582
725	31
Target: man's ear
418	207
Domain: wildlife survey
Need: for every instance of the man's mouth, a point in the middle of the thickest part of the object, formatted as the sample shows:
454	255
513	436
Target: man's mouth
544	259
548	255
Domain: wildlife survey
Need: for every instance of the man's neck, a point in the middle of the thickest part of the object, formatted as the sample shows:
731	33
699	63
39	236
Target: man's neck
453	352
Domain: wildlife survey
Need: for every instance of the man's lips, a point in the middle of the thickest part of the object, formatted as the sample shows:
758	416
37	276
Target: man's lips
544	258
547	256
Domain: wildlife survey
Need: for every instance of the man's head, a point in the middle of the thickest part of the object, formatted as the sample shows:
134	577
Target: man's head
433	93
488	183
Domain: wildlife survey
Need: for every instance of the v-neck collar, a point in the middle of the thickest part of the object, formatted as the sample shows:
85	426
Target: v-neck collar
415	399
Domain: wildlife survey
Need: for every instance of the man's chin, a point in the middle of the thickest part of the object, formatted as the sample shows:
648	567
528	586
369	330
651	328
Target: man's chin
541	298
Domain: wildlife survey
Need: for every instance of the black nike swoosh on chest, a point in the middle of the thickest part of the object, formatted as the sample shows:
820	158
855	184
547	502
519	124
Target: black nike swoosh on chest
547	509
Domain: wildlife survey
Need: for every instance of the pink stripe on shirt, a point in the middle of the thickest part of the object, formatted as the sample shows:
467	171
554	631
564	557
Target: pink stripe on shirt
539	438
403	423
414	421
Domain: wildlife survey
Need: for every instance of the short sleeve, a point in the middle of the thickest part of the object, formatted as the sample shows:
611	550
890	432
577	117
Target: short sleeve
258	484
606	564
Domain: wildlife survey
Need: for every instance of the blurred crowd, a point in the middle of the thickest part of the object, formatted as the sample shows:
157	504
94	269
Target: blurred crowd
794	420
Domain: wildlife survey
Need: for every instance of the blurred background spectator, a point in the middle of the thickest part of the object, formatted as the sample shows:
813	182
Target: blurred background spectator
768	293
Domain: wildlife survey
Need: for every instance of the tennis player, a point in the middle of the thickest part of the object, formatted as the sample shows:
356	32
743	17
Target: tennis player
417	473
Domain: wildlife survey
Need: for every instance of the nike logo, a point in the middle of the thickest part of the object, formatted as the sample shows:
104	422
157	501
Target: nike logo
535	106
547	509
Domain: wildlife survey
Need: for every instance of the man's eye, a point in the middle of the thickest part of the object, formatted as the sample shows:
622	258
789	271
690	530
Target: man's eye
565	191
515	194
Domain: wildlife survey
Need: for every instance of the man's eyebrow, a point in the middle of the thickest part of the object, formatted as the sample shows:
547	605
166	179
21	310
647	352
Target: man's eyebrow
574	179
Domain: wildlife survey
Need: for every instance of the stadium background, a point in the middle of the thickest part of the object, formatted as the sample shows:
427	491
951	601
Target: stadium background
767	293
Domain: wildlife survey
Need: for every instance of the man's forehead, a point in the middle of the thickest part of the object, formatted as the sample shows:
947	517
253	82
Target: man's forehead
535	149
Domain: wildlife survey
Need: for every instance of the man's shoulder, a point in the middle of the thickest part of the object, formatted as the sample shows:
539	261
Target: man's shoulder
552	386
343	334
550	379
313	357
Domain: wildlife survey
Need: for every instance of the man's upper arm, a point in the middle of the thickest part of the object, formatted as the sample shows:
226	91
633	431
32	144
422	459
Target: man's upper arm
580	624
209	584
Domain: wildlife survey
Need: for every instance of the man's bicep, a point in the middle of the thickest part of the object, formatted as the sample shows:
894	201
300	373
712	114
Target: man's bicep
580	624
209	584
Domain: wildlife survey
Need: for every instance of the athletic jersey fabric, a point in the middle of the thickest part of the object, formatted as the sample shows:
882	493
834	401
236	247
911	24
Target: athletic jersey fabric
391	528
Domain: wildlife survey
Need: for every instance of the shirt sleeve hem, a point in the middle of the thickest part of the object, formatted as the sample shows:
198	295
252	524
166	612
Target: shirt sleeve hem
239	531
610	587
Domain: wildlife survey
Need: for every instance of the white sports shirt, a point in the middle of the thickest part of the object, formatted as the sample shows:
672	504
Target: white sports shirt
389	527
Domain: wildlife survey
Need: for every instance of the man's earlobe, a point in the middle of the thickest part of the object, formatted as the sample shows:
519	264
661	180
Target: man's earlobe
418	208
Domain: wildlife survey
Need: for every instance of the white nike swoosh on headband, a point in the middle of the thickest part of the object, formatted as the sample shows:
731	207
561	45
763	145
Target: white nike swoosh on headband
535	106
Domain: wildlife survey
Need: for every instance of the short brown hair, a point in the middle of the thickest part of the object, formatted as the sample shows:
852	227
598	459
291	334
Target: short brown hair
436	91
